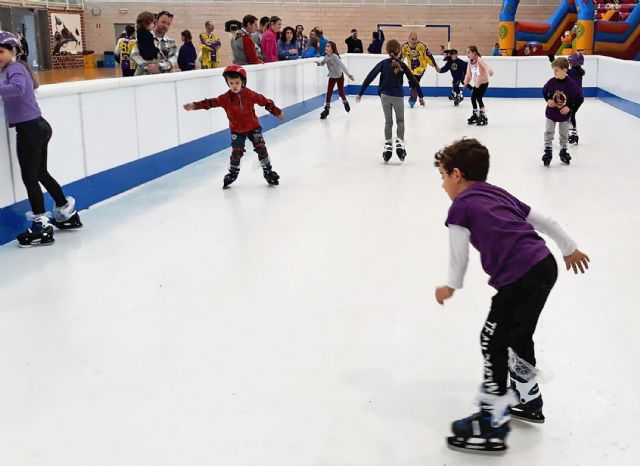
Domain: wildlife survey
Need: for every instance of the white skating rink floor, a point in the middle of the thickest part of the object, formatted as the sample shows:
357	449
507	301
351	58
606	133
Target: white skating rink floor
187	325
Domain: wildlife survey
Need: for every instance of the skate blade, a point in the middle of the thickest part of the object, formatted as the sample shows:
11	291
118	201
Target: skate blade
527	419
477	449
36	245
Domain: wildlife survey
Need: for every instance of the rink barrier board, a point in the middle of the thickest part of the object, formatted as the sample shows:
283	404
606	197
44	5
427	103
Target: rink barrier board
93	169
109	183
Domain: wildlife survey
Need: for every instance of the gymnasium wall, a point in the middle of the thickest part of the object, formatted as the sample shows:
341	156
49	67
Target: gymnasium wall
112	135
471	24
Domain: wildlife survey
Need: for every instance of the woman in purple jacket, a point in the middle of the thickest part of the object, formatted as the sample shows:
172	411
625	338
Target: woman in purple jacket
17	89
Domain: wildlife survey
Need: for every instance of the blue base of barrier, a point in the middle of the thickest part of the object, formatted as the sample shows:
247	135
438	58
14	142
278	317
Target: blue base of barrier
96	188
103	185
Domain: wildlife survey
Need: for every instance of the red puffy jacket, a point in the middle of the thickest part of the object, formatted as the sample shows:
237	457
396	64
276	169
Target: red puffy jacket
239	108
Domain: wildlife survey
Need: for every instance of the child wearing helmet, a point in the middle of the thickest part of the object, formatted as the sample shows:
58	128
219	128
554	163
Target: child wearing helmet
576	60
239	103
17	89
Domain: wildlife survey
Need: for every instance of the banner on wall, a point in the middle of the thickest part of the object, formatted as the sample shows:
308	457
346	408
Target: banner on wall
67	33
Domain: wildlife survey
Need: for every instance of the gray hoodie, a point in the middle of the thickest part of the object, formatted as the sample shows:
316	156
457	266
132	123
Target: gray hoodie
335	66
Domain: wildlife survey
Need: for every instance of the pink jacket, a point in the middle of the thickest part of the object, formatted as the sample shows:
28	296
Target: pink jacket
269	46
478	72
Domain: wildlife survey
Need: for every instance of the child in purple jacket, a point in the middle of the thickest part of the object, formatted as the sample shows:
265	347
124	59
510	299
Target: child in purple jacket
561	93
17	89
523	271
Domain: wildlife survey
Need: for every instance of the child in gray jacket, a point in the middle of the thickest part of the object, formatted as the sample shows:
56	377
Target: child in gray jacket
336	76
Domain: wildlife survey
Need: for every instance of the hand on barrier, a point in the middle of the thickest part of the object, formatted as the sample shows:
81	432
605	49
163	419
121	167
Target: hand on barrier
189	107
153	69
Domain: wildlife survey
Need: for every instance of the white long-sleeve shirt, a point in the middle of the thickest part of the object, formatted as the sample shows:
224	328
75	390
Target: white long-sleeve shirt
459	239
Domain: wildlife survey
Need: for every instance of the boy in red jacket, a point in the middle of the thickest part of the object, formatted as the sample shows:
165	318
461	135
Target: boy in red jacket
238	102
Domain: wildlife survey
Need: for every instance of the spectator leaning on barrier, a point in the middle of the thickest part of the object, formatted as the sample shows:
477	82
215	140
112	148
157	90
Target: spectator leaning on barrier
123	50
301	40
287	47
243	48
312	49
496	50
354	45
269	41
257	34
210	46
187	55
167	57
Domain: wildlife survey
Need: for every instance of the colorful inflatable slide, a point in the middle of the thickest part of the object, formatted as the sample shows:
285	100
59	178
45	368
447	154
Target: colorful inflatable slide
611	29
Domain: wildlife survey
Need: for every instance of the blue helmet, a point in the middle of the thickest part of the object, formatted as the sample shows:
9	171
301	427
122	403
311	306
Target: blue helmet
576	59
8	39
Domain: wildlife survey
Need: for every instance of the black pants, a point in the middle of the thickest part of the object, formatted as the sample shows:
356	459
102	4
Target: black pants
574	110
477	94
512	320
128	73
32	141
414	90
456	86
238	141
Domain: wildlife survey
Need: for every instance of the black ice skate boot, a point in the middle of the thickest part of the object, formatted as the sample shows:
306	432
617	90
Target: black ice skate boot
564	156
457	100
325	112
452	96
387	151
529	407
230	177
482	119
271	176
40	233
486	430
473	119
548	155
347	107
66	217
573	136
400	150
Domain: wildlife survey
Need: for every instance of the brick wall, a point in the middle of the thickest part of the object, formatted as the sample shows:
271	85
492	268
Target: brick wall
60	62
470	24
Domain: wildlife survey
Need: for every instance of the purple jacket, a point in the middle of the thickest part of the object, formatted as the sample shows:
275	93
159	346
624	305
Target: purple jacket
17	92
564	92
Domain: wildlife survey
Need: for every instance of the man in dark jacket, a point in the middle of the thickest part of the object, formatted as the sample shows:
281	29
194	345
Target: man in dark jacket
354	45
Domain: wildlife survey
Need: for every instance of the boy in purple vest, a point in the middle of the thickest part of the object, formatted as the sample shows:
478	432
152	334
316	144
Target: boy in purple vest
562	94
521	268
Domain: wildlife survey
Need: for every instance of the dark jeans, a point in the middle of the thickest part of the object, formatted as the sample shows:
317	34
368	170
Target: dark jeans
456	86
477	94
238	141
32	141
512	320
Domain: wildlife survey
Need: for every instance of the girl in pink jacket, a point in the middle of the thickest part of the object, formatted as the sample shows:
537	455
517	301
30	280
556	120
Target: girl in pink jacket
269	44
477	79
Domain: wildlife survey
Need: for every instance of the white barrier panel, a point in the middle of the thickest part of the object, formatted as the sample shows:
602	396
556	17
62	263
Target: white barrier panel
620	77
102	124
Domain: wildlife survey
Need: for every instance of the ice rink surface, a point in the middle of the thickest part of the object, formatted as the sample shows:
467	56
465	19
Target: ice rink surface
296	326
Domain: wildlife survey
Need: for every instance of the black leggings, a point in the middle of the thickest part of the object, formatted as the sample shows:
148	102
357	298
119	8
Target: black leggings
477	95
32	141
514	314
574	110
